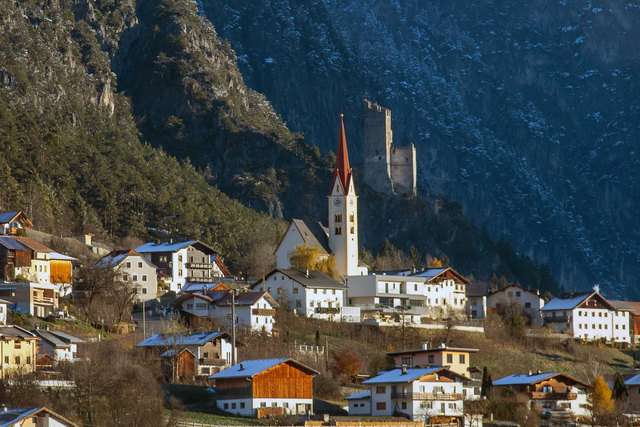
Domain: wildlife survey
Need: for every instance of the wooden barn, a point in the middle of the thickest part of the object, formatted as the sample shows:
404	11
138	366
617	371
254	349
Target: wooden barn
178	363
256	388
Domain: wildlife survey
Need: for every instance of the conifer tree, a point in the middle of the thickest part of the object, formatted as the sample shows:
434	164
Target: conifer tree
619	390
487	382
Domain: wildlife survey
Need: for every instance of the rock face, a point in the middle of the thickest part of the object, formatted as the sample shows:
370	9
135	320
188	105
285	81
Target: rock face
526	112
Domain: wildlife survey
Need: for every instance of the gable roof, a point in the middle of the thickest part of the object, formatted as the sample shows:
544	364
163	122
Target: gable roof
436	349
363	395
196	338
152	247
61	257
13	417
15	332
245	298
313	234
251	368
115	258
514	285
573	300
432	273
11	243
66	337
479	288
33	244
307	279
634	305
50	338
412	374
634	380
526	379
621	305
7	217
175	351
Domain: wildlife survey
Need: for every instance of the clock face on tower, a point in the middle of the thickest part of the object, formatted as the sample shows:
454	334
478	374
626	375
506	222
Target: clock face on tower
337	202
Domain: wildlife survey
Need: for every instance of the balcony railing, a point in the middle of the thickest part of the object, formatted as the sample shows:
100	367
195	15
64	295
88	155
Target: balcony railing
199	265
428	396
264	312
553	396
556	319
192	279
212	362
46	300
328	310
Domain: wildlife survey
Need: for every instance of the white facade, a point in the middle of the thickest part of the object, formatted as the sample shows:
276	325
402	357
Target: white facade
529	301
477	306
306	296
588	316
142	274
343	228
431	298
248	407
257	316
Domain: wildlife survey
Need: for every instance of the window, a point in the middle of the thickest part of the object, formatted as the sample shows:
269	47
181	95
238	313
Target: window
144	291
28	360
279	291
432	359
233	405
140	264
241	405
352	217
17	360
125	277
298	303
6	359
449	358
338	231
135	278
310	303
381	406
461	358
263	404
189	306
407	361
201	306
144	277
179	272
128	265
337	218
381	389
274	404
285	405
404	405
527	305
17	344
517	293
226	406
295	290
352	230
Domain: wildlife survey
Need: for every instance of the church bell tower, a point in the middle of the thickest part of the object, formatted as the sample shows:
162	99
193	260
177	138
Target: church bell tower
343	212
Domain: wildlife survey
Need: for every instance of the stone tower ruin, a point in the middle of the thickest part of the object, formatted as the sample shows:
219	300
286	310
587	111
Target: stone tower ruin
388	168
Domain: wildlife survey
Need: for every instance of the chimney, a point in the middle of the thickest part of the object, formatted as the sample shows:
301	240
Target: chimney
425	346
241	367
37	326
539	371
413	269
46	327
442	345
530	373
404	369
306	273
87	239
4	408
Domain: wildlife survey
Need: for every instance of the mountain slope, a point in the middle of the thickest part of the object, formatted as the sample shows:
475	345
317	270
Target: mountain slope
526	113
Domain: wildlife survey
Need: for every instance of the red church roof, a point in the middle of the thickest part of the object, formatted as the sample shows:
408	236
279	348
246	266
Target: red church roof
342	170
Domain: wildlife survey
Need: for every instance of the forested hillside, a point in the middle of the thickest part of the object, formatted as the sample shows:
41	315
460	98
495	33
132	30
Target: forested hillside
126	120
525	112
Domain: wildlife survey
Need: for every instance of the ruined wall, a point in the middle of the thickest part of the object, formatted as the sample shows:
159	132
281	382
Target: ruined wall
387	168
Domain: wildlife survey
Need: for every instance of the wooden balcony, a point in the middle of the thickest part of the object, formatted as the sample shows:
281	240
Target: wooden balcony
42	300
541	395
328	310
428	396
192	279
264	312
212	362
199	265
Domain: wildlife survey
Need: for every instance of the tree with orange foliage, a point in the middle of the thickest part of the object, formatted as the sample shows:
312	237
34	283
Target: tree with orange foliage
600	397
346	363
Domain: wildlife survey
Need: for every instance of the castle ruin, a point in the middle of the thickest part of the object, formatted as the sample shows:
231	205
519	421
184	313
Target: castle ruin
388	168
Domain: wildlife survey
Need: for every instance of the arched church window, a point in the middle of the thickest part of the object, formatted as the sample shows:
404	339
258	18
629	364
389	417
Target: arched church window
338	231
338	218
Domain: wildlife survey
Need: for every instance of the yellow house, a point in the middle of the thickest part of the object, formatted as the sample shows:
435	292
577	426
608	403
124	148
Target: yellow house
18	351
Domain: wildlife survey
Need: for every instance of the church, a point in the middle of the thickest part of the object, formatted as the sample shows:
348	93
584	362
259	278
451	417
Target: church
340	238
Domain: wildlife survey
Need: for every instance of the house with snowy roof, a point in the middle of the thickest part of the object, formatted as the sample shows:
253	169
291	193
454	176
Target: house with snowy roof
253	310
456	359
556	395
434	293
477	293
210	351
13	221
633	392
587	315
134	268
60	345
185	262
40	417
421	394
515	297
257	388
310	293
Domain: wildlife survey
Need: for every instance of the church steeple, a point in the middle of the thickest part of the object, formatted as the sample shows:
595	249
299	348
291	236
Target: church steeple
343	212
342	171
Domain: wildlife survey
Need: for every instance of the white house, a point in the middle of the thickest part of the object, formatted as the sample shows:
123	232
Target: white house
133	267
418	393
212	350
434	293
184	262
60	345
257	388
254	310
515	296
555	394
587	315
310	293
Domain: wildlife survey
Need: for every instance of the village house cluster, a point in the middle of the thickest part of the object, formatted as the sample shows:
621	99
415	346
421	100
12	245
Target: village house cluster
427	384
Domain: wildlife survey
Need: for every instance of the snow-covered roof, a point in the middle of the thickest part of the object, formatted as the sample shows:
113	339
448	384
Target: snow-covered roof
308	279
197	338
430	273
61	257
523	379
67	337
8	216
11	243
363	395
194	287
634	380
396	375
175	351
568	302
250	368
165	246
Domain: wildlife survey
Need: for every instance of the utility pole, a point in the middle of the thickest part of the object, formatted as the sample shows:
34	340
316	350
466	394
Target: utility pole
144	321
233	327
